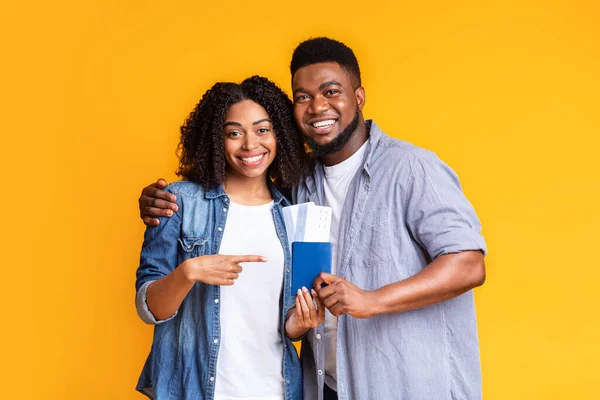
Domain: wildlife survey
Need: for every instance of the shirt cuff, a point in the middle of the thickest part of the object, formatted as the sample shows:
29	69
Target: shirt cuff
455	242
142	307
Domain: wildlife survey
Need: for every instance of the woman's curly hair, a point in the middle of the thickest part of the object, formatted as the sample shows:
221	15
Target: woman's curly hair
201	148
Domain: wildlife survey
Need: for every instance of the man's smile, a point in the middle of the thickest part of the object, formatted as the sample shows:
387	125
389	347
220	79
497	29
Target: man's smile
322	126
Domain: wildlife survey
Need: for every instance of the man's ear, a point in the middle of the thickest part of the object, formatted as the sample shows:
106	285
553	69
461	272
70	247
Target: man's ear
360	97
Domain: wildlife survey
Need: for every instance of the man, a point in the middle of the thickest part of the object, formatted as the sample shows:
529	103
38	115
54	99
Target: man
407	249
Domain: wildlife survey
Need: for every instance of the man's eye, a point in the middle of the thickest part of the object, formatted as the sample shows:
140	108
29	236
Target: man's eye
332	92
301	98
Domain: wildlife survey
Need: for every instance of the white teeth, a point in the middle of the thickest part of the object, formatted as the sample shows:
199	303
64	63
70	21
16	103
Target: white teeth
321	124
252	159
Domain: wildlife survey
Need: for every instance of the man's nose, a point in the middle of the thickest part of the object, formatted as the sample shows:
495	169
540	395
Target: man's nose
319	105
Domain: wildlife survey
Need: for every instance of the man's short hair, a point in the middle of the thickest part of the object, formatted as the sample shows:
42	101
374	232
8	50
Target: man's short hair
323	49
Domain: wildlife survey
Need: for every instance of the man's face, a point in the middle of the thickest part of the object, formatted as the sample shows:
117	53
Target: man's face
325	103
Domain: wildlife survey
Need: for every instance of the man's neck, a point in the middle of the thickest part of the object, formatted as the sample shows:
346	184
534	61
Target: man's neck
360	136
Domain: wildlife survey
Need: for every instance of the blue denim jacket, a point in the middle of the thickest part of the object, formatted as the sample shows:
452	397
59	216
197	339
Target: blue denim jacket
183	360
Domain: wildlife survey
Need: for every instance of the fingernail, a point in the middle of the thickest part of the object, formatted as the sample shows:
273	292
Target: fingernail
299	292
264	258
313	292
304	289
169	213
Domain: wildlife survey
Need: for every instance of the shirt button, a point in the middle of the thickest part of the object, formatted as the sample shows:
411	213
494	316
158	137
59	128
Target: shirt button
224	209
318	336
287	270
212	379
220	229
216	300
216	341
280	233
320	372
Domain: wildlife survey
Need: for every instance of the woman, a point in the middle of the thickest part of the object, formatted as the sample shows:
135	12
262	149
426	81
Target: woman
221	327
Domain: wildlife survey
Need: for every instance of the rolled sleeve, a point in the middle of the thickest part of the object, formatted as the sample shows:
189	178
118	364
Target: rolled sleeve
439	215
142	307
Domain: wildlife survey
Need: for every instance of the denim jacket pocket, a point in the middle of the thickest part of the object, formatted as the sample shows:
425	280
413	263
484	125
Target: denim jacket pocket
193	246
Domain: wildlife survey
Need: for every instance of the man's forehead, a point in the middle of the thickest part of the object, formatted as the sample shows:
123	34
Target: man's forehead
315	74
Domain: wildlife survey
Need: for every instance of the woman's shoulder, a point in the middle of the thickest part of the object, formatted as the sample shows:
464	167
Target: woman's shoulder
187	188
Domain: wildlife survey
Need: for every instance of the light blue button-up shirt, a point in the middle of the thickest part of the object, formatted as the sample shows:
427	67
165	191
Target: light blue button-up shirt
404	208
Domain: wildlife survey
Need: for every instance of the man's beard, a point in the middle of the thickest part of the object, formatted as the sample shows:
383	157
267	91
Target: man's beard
336	144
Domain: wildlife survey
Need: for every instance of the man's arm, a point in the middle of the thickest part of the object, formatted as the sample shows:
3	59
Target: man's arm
443	223
446	277
155	202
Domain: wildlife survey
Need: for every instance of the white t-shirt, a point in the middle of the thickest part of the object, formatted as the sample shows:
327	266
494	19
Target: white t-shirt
336	184
249	365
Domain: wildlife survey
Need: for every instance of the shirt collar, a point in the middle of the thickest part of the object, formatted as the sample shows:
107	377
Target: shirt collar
375	135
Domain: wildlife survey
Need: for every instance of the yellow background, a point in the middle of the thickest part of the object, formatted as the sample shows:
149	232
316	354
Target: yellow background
93	93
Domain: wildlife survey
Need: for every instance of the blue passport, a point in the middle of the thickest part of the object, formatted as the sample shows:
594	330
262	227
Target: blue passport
309	259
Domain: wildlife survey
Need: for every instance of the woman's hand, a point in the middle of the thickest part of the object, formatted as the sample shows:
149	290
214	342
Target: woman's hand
304	316
217	269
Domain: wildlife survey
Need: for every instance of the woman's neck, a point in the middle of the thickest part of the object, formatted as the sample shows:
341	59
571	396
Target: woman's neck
247	191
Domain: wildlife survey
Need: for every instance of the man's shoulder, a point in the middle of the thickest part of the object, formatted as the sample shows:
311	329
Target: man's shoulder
406	162
394	151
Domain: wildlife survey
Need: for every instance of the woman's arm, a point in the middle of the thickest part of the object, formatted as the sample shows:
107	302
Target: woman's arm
165	295
162	284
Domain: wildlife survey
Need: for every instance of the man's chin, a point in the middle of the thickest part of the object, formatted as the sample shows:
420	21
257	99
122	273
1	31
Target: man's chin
319	148
332	142
322	140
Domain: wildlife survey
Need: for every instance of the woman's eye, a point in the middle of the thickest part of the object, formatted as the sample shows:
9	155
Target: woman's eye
233	134
263	130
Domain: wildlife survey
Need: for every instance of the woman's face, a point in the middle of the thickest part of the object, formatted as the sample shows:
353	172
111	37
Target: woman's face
250	144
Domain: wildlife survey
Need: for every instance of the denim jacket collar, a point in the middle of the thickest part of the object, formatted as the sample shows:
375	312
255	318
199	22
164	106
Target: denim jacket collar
218	191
